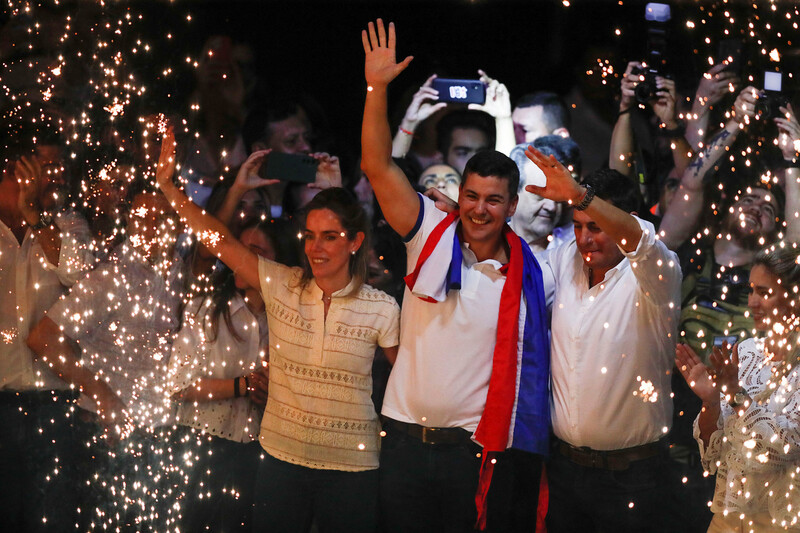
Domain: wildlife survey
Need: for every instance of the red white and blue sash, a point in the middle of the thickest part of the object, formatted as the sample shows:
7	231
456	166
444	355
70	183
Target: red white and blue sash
517	412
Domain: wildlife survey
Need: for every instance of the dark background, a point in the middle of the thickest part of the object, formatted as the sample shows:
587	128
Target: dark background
314	47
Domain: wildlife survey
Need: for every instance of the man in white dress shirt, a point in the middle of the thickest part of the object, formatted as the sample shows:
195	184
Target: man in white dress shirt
614	323
43	251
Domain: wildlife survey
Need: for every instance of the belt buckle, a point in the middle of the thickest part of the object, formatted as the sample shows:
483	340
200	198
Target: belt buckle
596	458
428	435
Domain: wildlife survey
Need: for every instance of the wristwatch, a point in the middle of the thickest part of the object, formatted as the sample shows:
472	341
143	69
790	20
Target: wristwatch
588	196
45	219
738	398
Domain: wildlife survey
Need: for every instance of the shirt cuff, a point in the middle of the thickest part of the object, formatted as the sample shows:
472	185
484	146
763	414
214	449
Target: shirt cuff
418	223
646	241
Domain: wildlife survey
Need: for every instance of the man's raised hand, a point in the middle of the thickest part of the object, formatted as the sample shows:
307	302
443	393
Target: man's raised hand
560	186
380	64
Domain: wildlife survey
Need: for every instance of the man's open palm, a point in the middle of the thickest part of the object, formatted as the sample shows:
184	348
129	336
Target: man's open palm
380	65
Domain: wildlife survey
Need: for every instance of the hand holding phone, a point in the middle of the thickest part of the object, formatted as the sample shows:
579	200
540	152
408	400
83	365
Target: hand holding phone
460	91
329	174
297	168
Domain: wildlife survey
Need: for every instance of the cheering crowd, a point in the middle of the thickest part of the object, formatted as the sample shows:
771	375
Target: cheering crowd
473	332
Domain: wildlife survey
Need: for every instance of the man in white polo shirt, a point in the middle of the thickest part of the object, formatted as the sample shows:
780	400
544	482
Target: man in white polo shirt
439	389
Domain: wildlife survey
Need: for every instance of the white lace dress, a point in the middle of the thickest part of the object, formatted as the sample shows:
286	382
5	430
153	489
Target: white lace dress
756	456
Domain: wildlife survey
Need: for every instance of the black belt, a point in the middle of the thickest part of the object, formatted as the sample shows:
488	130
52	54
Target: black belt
429	435
607	459
35	398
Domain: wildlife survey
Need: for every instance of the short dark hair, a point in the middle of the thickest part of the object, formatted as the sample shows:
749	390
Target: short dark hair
256	125
353	219
487	163
465	119
612	186
555	113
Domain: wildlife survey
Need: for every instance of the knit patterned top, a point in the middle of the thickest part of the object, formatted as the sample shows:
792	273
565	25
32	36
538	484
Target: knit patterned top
319	411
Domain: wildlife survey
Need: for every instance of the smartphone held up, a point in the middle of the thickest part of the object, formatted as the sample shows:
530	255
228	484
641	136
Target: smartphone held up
297	168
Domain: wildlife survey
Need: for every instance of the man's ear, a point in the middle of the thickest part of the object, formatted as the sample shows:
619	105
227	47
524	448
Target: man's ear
512	206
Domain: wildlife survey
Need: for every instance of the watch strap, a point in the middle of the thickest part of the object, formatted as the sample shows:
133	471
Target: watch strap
588	196
45	219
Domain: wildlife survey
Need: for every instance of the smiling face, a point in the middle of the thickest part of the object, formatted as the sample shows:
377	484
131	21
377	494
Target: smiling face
484	203
767	300
327	247
753	215
441	177
598	250
535	216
